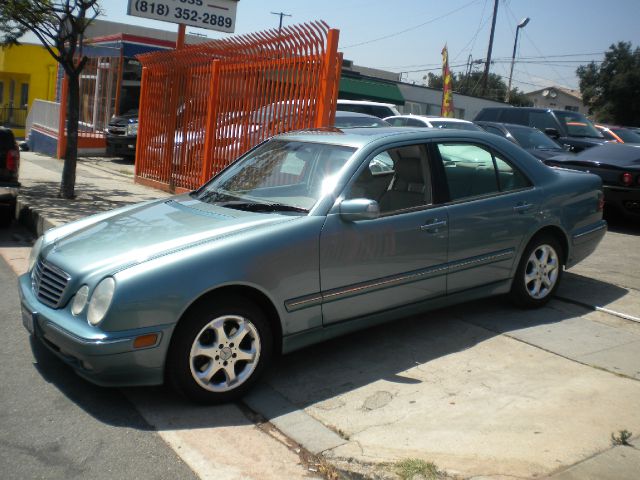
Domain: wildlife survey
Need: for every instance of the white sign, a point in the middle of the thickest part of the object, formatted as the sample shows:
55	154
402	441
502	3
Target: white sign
212	14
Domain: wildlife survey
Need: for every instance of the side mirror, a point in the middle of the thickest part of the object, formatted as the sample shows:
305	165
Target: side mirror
359	209
552	132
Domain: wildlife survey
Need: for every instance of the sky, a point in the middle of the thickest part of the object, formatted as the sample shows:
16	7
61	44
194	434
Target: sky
408	35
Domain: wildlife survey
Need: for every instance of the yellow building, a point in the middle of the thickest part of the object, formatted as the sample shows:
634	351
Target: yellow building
27	72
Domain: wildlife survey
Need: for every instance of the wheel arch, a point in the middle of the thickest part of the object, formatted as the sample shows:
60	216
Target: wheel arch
554	231
254	295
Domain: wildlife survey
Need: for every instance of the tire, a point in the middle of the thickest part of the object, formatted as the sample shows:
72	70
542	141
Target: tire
218	351
539	272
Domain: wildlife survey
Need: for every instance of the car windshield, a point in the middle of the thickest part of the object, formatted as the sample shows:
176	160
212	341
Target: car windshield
627	135
457	125
278	176
578	125
533	138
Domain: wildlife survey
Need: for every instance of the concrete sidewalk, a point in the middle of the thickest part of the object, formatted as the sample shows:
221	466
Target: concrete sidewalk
485	391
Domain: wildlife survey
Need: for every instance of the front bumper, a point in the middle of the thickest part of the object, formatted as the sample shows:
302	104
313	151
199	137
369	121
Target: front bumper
103	358
624	199
121	145
8	192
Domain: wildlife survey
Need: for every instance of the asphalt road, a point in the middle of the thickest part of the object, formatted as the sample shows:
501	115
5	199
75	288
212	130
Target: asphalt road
55	425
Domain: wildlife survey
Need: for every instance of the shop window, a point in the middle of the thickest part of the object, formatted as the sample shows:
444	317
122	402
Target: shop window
24	95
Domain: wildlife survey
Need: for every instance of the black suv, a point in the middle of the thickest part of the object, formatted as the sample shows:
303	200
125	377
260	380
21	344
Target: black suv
9	166
122	134
571	129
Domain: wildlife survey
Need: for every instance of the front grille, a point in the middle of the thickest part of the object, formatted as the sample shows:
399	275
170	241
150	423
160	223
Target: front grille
114	130
49	283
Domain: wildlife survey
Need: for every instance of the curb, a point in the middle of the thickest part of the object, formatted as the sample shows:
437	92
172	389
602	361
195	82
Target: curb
31	218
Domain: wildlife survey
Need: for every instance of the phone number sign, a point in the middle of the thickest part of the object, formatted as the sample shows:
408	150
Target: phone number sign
212	14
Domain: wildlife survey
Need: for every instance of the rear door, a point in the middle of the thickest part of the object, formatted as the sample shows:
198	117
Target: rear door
490	209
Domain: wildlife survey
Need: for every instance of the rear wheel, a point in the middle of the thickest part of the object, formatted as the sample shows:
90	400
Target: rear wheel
217	355
539	272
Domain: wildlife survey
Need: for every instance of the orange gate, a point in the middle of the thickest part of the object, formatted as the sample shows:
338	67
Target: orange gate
204	105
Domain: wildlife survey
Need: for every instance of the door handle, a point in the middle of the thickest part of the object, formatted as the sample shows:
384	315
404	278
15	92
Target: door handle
522	207
433	226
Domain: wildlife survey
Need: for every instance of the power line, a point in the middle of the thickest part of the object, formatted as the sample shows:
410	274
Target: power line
412	28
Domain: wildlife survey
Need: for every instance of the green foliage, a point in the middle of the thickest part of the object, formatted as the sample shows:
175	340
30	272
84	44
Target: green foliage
622	438
412	468
472	85
612	90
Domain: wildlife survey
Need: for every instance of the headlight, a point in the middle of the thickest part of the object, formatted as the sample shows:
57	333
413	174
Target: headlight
80	300
35	251
100	300
132	129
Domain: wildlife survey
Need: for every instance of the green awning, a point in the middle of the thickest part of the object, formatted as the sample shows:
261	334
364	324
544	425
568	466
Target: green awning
367	89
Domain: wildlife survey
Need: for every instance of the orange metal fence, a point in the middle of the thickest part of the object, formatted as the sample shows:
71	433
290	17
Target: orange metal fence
204	105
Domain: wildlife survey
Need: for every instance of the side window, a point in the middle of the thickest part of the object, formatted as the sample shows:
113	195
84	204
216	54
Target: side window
514	115
542	120
472	171
508	177
413	122
493	130
398	179
397	122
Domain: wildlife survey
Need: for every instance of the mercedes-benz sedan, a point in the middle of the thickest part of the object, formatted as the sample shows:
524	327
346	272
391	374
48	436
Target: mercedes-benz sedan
307	236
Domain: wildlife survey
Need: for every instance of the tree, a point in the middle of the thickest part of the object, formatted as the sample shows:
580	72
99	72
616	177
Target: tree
60	26
612	90
471	85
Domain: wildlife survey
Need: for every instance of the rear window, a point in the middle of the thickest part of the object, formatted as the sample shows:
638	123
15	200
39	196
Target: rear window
488	114
456	125
578	125
627	136
379	111
514	115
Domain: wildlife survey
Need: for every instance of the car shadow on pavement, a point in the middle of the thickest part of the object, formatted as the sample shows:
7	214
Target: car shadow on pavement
108	405
392	356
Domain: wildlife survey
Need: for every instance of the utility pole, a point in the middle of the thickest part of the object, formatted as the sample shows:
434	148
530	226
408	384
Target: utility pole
485	76
281	14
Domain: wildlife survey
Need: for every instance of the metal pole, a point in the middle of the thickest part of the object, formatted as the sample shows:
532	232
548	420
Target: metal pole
281	14
181	32
485	76
513	59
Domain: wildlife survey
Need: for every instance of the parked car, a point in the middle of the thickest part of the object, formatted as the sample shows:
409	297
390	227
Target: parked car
619	167
377	109
9	170
353	119
122	134
298	241
429	121
568	128
619	134
531	139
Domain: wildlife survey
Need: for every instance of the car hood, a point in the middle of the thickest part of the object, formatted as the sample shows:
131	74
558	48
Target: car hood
148	231
124	119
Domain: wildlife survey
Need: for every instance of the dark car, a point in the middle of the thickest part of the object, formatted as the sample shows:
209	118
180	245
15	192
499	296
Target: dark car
619	167
568	128
619	134
347	119
9	166
531	139
122	134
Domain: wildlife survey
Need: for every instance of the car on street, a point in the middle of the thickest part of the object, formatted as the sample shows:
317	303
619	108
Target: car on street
345	119
619	134
309	235
9	169
122	134
568	128
428	121
619	167
531	139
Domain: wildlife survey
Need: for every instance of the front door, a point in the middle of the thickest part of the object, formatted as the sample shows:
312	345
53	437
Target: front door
397	259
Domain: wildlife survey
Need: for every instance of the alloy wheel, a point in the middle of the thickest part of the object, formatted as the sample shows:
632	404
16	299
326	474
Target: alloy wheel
541	272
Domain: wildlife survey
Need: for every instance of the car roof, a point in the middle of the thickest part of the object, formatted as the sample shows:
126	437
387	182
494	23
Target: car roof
430	118
359	137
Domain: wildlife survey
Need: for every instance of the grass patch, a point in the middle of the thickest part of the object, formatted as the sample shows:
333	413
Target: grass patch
414	469
622	438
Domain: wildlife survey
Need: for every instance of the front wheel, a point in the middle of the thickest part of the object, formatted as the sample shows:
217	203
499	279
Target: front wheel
217	355
539	272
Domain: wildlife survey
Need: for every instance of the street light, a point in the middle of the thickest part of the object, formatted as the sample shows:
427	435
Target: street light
522	24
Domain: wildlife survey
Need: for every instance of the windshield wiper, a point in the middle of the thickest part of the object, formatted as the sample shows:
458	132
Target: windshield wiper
263	207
